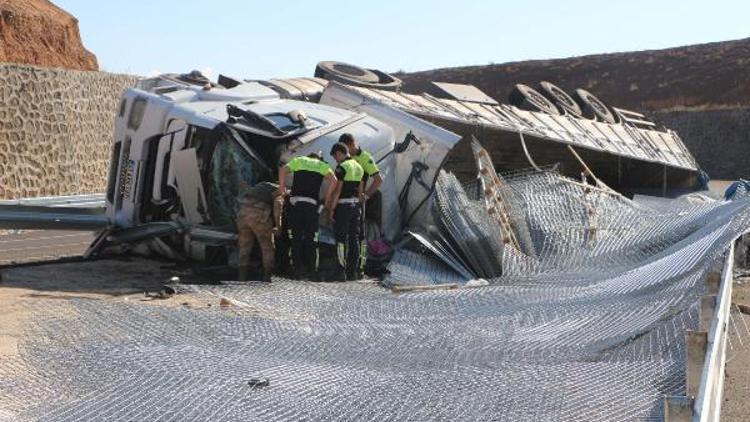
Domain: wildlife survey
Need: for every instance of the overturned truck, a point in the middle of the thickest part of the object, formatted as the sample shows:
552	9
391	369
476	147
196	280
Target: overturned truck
185	149
555	204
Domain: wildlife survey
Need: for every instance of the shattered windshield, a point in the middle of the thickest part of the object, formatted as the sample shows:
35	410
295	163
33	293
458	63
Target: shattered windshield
231	173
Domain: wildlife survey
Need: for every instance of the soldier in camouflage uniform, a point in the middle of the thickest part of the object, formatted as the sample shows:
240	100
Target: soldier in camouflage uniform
259	218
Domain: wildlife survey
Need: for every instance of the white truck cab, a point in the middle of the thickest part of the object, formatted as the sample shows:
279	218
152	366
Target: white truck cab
185	152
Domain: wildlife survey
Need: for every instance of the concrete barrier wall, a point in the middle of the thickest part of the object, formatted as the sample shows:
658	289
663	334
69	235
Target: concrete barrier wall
56	129
719	139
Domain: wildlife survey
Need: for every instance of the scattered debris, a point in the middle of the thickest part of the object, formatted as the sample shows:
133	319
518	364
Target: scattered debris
745	309
477	282
167	291
423	288
258	382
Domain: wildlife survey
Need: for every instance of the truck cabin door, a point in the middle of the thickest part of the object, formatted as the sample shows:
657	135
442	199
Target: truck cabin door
174	140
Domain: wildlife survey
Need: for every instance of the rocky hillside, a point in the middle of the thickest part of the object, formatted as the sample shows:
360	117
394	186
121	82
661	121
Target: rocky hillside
704	76
39	33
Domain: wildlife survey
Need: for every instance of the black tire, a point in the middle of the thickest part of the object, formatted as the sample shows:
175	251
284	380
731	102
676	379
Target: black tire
594	108
562	100
350	74
527	98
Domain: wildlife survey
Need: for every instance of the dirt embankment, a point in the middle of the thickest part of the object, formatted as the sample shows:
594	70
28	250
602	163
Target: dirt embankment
39	33
702	76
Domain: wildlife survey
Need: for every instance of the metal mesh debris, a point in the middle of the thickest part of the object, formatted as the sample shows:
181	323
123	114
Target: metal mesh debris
589	327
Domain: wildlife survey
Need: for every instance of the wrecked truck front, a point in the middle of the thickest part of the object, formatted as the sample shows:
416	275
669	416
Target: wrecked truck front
419	152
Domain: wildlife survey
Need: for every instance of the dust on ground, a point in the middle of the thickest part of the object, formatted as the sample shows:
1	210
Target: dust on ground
124	279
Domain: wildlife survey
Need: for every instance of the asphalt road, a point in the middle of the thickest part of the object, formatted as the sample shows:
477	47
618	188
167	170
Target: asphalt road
41	245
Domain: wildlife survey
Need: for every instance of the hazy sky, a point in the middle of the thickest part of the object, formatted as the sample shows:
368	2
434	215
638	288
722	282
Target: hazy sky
261	39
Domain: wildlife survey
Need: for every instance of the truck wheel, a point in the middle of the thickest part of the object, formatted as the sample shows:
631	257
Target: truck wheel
561	98
350	74
527	98
593	108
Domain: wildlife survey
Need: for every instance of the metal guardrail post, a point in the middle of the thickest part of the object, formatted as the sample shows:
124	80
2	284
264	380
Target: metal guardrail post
696	343
678	409
706	352
707	403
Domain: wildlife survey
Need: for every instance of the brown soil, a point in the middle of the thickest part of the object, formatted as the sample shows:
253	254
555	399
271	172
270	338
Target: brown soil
703	76
39	33
23	288
736	406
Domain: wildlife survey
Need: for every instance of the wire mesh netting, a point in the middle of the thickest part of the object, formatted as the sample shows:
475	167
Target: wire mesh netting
589	327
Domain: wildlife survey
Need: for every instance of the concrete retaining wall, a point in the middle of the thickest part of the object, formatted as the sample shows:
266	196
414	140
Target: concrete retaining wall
56	129
719	139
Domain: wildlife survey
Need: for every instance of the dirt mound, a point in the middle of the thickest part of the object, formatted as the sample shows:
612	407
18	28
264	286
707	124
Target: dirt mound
38	32
698	76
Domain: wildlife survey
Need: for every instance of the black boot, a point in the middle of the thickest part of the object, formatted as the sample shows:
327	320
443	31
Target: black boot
354	275
338	276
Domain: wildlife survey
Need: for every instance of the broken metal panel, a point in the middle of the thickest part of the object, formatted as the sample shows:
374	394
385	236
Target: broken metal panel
413	268
143	232
446	257
467	230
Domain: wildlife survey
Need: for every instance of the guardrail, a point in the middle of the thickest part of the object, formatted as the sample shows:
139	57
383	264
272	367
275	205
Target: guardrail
706	353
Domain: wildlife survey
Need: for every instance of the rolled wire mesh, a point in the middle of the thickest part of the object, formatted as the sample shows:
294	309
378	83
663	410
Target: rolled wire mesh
590	327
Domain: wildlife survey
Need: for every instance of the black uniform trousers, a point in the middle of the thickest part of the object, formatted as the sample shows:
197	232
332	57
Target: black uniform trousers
303	220
346	226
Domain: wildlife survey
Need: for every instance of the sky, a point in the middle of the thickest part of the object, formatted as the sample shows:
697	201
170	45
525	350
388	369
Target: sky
264	39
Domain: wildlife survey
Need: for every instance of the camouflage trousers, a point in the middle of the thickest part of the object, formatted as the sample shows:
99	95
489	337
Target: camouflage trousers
255	222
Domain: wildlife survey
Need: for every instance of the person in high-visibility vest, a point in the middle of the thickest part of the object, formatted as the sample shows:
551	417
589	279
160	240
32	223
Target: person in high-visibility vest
364	159
309	173
370	201
345	211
